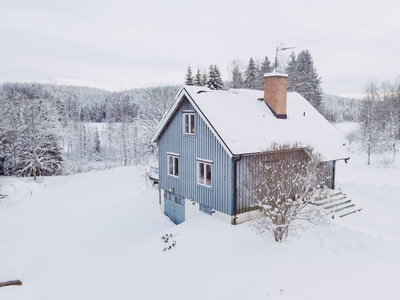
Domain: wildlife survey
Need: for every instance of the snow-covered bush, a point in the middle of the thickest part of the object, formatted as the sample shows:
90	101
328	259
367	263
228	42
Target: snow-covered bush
283	185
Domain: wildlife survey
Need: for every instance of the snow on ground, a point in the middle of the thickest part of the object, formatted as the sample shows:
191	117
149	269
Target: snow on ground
98	236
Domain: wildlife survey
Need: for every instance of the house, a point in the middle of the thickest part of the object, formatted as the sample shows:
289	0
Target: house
207	137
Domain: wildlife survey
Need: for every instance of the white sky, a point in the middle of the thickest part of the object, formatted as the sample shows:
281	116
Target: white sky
117	44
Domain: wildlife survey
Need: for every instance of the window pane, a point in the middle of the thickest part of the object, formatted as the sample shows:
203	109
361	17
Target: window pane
170	165
192	124
186	116
176	166
208	174
201	173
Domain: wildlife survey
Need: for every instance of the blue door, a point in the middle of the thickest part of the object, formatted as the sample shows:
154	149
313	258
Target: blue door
174	207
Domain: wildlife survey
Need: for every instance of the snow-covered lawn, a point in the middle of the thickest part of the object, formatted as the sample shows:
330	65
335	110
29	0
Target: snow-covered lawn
98	236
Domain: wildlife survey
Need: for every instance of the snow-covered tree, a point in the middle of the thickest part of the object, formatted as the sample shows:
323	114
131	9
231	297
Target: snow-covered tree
197	79
284	183
265	67
370	134
152	107
250	75
203	78
41	155
214	80
189	80
303	78
390	117
237	75
97	151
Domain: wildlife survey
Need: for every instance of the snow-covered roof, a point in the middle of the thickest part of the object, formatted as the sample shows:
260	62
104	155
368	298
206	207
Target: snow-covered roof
244	124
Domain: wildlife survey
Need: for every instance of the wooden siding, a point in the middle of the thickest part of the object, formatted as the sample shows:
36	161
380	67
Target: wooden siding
201	145
329	176
245	199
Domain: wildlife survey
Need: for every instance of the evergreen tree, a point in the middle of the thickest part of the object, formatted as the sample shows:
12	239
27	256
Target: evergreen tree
189	76
197	78
303	78
250	81
214	81
97	146
203	79
264	68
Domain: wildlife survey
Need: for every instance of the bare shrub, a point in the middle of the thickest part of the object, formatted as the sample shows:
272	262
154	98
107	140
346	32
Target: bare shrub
283	185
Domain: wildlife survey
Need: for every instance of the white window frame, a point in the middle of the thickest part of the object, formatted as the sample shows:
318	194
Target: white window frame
189	126
173	170
204	170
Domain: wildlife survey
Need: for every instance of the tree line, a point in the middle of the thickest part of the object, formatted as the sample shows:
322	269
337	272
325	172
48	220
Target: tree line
302	76
379	130
50	129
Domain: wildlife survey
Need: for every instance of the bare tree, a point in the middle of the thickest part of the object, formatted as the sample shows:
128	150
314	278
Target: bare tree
283	183
370	131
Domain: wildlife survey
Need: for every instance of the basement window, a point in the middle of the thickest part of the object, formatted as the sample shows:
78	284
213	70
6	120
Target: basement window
173	165
206	209
188	123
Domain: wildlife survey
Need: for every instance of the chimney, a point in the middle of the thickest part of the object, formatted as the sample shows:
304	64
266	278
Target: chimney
275	92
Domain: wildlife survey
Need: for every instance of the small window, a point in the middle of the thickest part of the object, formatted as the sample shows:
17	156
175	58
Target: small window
173	165
179	200
206	209
188	123
204	173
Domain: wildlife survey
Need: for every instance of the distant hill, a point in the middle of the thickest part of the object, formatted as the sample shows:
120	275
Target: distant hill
340	109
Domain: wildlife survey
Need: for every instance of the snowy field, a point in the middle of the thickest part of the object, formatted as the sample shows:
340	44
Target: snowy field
97	235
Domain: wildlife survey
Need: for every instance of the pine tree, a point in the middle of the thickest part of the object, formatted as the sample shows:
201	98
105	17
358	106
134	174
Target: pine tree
203	78
189	76
97	147
214	81
264	68
197	78
250	81
303	78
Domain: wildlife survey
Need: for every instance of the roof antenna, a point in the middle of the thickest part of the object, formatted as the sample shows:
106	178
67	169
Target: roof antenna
279	51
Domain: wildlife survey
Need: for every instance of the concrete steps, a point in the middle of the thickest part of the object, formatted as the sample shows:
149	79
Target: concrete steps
337	203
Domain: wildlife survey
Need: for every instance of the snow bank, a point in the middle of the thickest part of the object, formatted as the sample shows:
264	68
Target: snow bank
18	188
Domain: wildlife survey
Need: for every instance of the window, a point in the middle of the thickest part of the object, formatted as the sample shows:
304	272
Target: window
206	209
204	173
188	123
173	165
179	200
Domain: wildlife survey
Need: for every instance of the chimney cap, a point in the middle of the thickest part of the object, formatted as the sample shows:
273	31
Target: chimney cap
275	74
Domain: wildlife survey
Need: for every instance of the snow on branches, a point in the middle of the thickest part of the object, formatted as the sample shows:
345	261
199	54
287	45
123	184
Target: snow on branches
283	182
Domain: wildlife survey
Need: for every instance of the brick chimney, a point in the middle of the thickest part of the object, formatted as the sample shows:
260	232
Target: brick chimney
275	92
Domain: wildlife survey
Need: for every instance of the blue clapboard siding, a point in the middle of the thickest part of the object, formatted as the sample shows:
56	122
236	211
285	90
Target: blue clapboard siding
202	145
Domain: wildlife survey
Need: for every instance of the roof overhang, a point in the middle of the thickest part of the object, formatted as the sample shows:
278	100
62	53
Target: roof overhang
171	112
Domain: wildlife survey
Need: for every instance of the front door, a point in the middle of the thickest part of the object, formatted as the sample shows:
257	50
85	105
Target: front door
174	207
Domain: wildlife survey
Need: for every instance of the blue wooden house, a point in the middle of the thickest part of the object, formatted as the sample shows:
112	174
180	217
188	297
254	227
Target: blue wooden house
207	137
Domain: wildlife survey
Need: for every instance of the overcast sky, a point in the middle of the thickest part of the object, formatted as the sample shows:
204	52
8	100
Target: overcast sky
115	44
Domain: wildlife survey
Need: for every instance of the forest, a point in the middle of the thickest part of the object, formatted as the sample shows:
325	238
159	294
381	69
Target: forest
49	129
